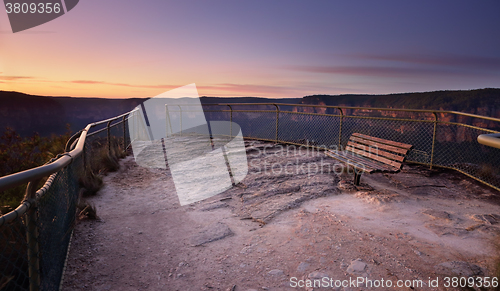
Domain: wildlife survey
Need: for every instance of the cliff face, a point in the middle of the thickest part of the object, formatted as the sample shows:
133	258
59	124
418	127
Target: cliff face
484	102
46	115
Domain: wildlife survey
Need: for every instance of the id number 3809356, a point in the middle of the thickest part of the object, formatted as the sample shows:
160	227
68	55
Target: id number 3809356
33	8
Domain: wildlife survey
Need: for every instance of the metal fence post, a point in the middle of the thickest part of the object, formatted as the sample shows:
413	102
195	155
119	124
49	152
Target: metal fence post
230	121
433	138
32	237
109	138
168	122
180	118
84	155
340	127
277	119
124	134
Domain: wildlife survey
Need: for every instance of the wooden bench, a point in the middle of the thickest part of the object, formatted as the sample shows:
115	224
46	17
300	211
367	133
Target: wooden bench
371	155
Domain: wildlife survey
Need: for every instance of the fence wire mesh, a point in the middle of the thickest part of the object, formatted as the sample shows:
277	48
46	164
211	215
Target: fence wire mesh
14	256
439	139
54	215
56	218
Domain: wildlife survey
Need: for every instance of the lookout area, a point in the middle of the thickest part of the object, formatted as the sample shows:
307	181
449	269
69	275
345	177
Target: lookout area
281	224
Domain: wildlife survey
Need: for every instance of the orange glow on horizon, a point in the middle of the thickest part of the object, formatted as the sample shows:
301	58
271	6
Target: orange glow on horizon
103	90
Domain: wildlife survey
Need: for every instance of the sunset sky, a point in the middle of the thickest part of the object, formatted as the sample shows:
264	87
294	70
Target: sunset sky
125	48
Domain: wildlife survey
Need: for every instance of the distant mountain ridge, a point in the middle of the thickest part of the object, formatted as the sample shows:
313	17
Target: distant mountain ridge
47	115
480	101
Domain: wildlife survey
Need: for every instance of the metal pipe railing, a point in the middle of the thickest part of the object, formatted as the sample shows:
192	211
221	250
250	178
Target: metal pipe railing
492	140
433	138
65	159
365	108
74	148
23	177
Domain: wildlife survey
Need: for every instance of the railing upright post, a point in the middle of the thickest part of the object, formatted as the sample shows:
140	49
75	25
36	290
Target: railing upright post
32	237
433	138
340	126
124	134
109	137
230	121
277	119
180	118
84	155
167	120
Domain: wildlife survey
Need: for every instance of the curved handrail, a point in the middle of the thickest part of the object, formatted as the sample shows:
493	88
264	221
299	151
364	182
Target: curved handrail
26	176
65	159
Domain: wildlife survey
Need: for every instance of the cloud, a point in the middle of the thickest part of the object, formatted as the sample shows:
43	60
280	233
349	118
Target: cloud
237	90
269	91
87	82
372	71
14	78
448	60
409	65
247	88
226	87
92	82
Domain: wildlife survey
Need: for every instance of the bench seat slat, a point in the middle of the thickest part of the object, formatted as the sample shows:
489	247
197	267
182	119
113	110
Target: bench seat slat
379	152
374	157
350	162
390	142
382	146
377	166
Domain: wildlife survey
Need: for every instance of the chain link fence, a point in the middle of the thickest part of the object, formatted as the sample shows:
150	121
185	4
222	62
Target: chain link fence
14	255
35	238
439	138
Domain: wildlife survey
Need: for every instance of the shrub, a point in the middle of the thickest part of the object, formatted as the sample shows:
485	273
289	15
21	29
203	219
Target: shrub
18	154
100	162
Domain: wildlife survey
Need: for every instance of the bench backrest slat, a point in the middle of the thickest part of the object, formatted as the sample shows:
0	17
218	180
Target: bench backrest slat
380	145
385	141
377	151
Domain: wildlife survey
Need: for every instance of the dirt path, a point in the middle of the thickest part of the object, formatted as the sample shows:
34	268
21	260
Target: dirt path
275	229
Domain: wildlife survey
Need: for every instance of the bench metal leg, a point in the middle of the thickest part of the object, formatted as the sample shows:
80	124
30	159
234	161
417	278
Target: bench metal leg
357	177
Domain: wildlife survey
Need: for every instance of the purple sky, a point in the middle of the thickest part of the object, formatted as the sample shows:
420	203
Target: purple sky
111	48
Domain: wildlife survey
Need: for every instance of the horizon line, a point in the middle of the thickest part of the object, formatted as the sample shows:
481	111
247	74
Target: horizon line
226	97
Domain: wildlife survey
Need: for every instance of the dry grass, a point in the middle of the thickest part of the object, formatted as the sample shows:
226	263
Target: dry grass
91	183
101	163
488	173
87	210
